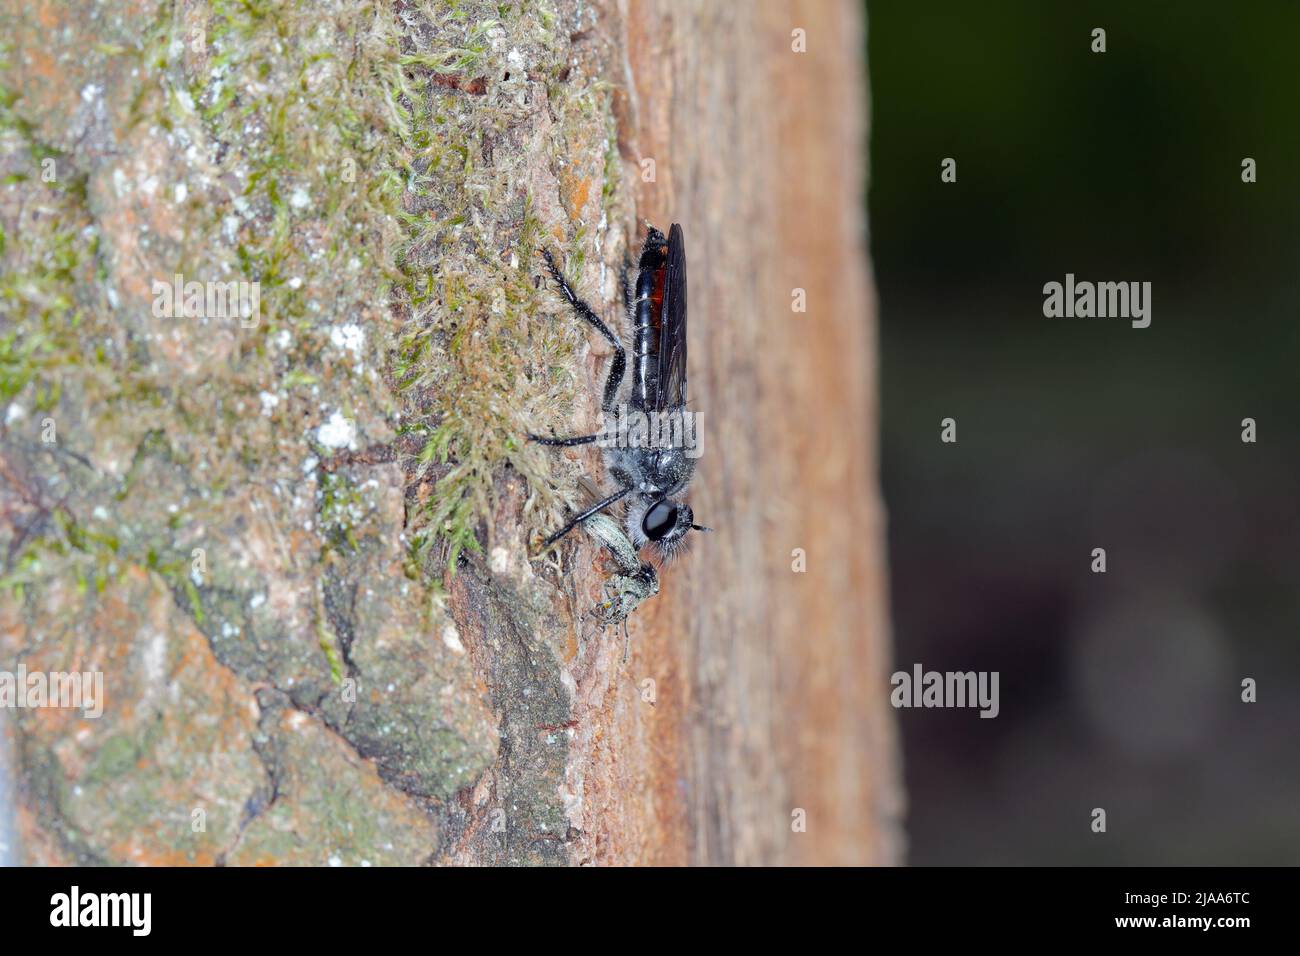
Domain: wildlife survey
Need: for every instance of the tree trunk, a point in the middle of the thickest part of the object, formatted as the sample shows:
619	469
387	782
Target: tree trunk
301	545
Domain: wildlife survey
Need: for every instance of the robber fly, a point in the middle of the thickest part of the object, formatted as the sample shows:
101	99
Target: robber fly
651	474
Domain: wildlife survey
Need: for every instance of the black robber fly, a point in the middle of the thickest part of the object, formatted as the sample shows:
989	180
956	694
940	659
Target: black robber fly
652	465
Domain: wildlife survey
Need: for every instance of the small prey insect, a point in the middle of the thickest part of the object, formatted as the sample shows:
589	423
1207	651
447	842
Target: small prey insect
652	467
636	581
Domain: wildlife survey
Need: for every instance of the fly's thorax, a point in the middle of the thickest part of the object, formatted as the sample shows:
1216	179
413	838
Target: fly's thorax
627	466
673	468
630	425
651	472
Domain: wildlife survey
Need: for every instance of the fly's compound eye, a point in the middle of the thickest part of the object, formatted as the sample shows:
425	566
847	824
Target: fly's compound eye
659	520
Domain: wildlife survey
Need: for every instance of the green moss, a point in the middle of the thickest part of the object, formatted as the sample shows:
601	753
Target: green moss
340	507
117	755
481	359
329	644
364	180
43	260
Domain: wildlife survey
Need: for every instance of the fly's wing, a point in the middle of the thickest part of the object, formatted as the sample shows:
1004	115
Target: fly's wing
672	335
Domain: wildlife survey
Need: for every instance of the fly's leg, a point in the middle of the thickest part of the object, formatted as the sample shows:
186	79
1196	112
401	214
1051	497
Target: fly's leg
580	518
564	442
584	312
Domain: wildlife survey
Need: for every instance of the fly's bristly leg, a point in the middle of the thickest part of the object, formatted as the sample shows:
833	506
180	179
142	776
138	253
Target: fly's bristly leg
583	516
584	311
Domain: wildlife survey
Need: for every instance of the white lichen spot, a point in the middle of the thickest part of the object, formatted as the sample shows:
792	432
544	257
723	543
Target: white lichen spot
269	401
300	199
499	560
180	192
451	637
155	657
338	432
349	337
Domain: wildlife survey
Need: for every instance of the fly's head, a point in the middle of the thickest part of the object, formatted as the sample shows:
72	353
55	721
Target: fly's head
662	523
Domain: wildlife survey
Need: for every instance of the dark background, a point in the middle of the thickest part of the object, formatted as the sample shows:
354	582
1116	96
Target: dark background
1118	690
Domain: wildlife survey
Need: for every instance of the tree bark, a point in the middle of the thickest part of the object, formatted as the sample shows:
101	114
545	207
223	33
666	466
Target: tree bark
302	552
761	151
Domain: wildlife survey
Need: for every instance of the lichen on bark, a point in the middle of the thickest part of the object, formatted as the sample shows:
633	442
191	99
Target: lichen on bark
296	547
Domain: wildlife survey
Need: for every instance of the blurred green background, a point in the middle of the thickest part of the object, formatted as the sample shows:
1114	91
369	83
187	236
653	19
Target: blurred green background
1118	690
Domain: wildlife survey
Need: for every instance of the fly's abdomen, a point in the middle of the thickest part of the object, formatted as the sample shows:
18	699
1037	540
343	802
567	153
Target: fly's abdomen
650	279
